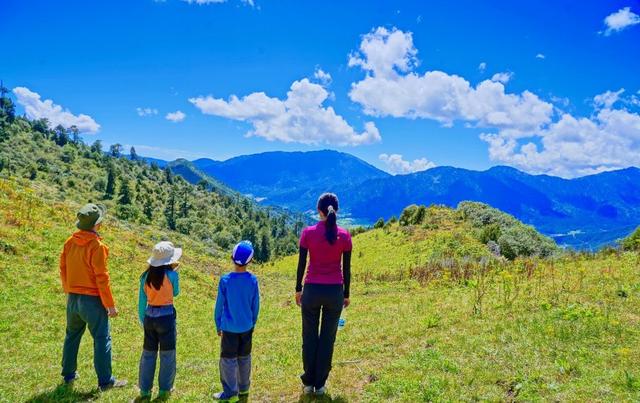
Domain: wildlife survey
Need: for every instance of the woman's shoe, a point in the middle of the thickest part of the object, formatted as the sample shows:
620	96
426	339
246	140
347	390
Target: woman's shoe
321	391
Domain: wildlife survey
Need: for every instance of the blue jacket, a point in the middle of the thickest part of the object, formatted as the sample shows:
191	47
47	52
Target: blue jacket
238	302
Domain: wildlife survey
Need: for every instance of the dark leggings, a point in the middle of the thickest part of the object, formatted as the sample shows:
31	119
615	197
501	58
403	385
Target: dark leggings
319	335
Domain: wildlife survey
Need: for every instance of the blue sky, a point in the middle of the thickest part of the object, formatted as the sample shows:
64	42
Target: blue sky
414	79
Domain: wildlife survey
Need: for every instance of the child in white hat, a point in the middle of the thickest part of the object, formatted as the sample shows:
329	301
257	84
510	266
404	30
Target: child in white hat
158	286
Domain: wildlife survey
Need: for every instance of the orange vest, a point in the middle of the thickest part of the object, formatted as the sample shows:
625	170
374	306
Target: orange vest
163	296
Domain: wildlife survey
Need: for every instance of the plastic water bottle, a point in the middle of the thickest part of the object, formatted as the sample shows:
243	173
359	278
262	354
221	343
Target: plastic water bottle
343	319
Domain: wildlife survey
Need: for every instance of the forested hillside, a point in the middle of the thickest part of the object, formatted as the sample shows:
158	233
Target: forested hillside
64	167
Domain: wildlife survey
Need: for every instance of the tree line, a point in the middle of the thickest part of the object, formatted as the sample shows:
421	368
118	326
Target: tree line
135	190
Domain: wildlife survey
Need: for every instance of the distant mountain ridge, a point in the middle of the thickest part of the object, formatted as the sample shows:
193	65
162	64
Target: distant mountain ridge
290	179
585	212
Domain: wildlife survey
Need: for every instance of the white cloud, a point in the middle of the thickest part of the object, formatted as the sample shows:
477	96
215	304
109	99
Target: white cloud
386	53
607	99
167	154
564	101
540	56
522	130
175	117
396	165
323	77
503	77
392	88
300	117
482	67
146	111
620	20
574	146
55	114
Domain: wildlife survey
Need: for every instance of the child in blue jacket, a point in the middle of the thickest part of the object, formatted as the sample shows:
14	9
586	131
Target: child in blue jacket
236	314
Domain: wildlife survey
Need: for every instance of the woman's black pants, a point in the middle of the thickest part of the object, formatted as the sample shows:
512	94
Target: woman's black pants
321	308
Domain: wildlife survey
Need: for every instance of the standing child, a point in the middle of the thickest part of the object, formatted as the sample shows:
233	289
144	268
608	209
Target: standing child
85	279
236	314
158	285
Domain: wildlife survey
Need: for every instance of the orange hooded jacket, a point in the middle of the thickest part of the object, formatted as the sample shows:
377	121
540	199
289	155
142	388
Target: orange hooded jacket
83	267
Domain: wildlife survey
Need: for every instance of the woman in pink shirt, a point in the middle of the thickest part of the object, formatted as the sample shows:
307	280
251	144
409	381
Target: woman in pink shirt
326	291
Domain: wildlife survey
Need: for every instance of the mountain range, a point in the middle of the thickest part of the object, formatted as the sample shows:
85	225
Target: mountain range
584	213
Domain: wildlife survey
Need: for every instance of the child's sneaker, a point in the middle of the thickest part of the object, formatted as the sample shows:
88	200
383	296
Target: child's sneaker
321	391
243	393
116	383
144	397
164	395
220	396
307	390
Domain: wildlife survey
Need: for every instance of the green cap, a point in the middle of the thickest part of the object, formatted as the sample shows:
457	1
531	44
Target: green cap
89	216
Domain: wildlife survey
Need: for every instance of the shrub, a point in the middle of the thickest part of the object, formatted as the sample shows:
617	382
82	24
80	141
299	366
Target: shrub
357	230
406	217
379	223
523	240
632	242
513	237
413	215
481	214
127	212
490	233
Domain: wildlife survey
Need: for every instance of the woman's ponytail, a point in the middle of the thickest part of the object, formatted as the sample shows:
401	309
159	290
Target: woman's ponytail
328	204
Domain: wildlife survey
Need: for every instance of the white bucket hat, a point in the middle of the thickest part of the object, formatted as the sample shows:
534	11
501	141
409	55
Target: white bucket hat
164	253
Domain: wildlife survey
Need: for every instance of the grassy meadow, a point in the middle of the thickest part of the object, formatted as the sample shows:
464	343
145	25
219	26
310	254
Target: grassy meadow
426	323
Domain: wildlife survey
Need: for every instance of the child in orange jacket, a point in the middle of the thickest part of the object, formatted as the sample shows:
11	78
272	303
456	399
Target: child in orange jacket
159	284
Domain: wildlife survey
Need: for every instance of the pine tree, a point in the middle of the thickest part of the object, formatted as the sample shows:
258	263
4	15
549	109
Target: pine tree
7	107
62	137
96	147
42	126
115	150
75	134
111	182
147	208
250	232
125	196
168	175
170	210
263	252
185	206
132	154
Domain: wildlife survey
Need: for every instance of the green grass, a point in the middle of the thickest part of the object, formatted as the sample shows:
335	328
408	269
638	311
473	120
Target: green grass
564	330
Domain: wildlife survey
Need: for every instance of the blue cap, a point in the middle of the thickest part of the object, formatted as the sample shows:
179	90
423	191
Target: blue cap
242	253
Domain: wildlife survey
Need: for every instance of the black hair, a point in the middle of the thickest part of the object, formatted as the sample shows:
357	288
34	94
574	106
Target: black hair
155	275
328	204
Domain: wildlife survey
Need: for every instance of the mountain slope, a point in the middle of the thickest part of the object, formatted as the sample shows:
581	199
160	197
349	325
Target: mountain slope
598	208
397	345
584	213
138	192
290	179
